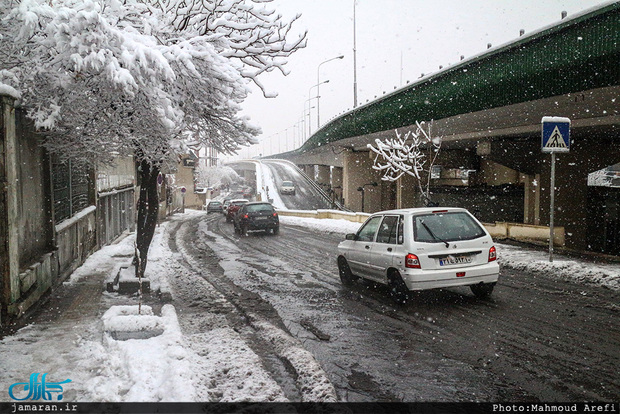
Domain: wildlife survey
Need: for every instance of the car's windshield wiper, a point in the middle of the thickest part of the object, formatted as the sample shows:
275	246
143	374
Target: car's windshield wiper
433	234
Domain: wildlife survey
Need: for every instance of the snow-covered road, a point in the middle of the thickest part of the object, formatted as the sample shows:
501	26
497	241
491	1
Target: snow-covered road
242	306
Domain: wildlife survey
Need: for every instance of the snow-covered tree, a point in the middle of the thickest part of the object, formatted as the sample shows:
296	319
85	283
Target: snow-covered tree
116	77
216	176
413	153
600	178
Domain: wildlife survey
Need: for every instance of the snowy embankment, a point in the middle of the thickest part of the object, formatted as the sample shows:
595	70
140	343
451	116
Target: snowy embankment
521	258
267	187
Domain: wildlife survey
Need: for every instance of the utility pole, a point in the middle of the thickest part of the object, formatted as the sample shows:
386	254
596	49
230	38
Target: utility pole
354	61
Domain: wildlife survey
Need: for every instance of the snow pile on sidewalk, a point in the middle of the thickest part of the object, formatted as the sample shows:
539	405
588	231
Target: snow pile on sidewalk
152	369
521	258
158	363
531	260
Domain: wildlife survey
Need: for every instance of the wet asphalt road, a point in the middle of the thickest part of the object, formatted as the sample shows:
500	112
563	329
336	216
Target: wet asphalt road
536	339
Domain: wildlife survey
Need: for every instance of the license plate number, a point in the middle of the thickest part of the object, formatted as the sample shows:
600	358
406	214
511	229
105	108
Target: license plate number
261	218
454	260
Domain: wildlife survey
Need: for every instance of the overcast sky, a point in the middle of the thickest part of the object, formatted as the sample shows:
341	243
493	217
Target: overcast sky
396	41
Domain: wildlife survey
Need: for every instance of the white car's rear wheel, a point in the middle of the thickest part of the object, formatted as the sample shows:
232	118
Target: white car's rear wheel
482	290
398	289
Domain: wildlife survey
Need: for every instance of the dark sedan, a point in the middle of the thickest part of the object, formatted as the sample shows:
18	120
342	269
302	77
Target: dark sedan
257	216
214	206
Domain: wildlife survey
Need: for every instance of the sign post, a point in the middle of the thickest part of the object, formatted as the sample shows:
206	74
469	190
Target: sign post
555	138
183	190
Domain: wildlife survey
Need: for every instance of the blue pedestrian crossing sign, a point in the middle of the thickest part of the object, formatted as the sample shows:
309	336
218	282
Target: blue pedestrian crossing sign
555	134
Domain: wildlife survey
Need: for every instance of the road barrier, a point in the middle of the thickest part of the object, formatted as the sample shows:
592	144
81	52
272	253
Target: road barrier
498	230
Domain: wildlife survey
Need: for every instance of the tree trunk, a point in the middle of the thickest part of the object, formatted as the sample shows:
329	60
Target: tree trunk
148	208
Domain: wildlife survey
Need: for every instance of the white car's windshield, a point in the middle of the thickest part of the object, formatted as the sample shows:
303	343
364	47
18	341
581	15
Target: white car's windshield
441	227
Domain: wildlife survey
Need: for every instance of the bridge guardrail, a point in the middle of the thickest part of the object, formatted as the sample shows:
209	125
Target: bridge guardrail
317	187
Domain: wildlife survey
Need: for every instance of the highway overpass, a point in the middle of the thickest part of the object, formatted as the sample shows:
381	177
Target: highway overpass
488	109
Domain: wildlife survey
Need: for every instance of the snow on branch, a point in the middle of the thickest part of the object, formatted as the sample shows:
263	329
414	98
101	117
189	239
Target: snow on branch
412	153
244	30
107	77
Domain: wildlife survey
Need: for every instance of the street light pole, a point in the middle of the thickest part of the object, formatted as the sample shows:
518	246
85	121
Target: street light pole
318	82
354	61
310	98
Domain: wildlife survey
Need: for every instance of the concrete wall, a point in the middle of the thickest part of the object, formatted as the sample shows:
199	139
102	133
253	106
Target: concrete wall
75	240
9	236
35	253
34	218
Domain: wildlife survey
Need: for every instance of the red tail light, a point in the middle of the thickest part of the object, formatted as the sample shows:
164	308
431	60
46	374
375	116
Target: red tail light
492	254
246	216
412	261
275	214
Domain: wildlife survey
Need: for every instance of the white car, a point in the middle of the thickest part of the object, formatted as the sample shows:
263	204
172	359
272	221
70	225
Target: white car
287	187
421	248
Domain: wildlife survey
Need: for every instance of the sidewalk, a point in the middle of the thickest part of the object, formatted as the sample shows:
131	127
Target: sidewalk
69	337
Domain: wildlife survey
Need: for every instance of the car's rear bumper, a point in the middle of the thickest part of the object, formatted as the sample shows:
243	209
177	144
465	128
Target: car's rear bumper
261	225
420	279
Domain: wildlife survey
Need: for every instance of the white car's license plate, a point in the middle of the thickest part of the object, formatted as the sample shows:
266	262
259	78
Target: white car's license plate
453	260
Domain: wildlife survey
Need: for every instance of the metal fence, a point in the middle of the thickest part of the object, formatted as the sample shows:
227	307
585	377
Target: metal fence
70	187
116	214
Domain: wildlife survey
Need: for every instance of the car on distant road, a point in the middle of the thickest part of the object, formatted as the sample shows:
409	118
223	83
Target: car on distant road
214	206
233	207
287	187
257	216
421	248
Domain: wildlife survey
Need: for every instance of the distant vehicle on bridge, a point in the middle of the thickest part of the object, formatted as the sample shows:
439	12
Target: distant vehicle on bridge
287	187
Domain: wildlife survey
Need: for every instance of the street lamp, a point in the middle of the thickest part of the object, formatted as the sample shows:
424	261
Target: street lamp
317	96
309	112
374	184
318	82
354	61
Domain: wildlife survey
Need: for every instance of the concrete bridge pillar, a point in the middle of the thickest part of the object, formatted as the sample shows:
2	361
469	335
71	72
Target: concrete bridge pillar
358	173
309	170
531	208
324	176
336	183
